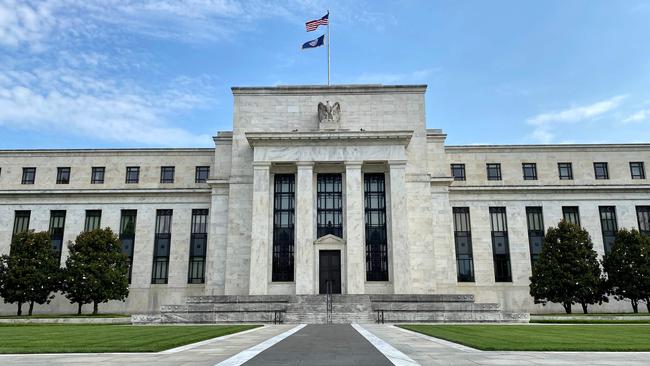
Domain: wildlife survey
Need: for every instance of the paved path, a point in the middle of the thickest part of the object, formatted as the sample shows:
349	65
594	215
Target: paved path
334	344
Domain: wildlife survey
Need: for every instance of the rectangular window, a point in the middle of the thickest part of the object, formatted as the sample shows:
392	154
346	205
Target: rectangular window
637	170
202	173
376	237
198	244
571	214
601	171
493	171
283	227
463	240
608	225
29	176
21	221
643	216
97	175
535	232
132	174
530	171
63	175
458	171
93	220
500	245
565	171
57	227
162	243
329	199
127	236
167	174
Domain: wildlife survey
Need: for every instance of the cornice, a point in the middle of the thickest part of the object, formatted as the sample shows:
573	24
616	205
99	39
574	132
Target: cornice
328	89
554	148
401	137
551	188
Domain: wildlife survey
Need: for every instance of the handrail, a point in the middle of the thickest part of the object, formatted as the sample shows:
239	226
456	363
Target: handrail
328	301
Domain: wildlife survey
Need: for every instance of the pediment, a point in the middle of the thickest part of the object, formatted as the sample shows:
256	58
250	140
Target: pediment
329	239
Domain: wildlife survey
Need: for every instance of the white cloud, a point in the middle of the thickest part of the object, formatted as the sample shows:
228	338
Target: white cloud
639	116
544	122
24	23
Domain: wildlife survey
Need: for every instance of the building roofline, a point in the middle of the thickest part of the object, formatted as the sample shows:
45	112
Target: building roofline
107	150
327	89
550	147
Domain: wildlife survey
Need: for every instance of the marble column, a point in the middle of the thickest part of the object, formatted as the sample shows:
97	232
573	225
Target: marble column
354	223
399	226
260	233
304	226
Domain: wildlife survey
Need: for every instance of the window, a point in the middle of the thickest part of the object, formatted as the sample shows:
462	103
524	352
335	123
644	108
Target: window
565	171
463	240
494	171
167	174
198	244
132	174
535	232
29	175
97	175
57	227
500	245
376	237
329	190
93	220
63	175
600	171
283	222
127	236
530	171
458	171
21	221
608	226
637	170
571	214
643	216
162	242
202	174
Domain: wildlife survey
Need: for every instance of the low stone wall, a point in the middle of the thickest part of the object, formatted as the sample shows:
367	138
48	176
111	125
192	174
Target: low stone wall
122	320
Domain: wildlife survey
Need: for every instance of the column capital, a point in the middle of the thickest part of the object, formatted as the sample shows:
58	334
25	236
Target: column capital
396	163
353	163
304	164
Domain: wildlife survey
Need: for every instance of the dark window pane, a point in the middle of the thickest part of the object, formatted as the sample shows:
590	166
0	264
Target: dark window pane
637	170
93	220
283	227
127	236
500	245
565	171
202	174
62	175
571	214
494	171
167	174
608	225
97	175
463	241
162	241
535	221
21	221
329	205
198	244
601	171
530	171
132	174
376	239
458	171
29	176
643	216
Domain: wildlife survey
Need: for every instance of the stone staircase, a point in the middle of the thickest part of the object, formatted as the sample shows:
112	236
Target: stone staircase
312	309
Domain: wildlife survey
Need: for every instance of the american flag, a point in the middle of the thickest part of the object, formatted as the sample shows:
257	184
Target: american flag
313	24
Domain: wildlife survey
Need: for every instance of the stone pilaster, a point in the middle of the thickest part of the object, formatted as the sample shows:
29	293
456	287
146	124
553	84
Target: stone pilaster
354	248
215	271
260	238
399	226
304	226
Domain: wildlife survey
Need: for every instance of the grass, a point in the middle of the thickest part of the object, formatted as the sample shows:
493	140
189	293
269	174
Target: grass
57	316
543	337
590	321
58	338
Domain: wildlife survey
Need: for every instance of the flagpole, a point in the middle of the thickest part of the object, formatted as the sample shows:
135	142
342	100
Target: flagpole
329	21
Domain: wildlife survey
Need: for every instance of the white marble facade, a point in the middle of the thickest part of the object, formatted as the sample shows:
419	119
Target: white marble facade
276	130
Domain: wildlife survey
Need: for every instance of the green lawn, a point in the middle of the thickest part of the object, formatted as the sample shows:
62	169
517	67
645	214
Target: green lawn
543	337
58	338
590	321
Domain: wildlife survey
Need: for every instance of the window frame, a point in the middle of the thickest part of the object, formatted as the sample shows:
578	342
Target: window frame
198	235
641	169
93	220
284	211
96	170
535	231
568	166
163	232
463	230
57	233
63	175
132	170
643	219
26	172
22	219
497	168
376	248
168	169
201	169
527	167
329	204
608	227
500	260
458	167
567	212
128	237
605	170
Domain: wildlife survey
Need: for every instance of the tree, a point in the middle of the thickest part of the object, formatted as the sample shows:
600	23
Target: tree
628	267
568	271
96	270
30	274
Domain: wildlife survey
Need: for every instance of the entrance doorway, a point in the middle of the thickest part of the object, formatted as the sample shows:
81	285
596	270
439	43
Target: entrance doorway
329	271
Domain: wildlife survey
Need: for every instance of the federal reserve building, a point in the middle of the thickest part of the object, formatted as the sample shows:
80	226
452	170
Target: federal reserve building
321	190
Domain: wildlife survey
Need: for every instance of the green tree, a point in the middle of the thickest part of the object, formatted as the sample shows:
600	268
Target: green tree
628	267
568	271
96	270
30	274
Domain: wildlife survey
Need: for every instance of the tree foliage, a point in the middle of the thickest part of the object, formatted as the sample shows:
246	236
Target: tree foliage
96	270
31	273
628	267
568	271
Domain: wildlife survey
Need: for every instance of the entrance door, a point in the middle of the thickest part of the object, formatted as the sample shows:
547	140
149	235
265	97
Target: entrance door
330	271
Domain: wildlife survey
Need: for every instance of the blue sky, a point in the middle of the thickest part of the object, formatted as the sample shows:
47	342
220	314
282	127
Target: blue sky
149	73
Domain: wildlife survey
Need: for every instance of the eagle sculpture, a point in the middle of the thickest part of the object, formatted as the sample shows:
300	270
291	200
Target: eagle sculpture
329	113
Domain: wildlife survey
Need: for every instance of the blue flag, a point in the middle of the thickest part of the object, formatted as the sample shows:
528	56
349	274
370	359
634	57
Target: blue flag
314	43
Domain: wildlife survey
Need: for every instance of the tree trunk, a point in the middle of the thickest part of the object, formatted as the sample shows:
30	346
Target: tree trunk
567	307
647	304
584	308
79	308
635	305
20	309
95	307
31	308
